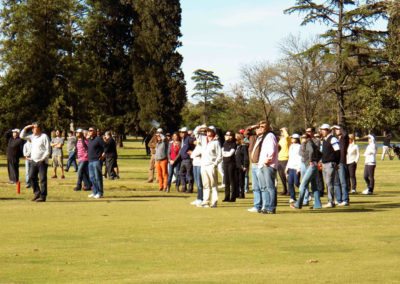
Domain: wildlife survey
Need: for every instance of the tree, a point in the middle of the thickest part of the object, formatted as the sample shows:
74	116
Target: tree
158	79
207	88
346	41
258	80
302	81
36	41
107	55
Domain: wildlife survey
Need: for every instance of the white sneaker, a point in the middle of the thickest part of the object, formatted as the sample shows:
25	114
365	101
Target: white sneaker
336	203
353	191
344	203
328	205
91	195
196	202
97	196
253	210
292	200
366	192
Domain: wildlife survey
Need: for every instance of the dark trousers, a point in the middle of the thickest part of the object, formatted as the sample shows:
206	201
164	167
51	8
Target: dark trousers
240	181
282	175
352	174
111	163
13	169
71	161
294	180
186	173
38	173
369	177
230	180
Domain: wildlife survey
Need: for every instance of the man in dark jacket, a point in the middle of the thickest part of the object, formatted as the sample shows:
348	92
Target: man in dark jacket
14	152
111	155
96	154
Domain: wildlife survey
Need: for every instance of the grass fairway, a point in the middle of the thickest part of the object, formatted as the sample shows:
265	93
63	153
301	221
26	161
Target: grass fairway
138	235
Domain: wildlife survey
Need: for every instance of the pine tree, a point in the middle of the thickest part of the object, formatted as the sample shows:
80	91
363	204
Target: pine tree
107	51
158	79
207	88
35	44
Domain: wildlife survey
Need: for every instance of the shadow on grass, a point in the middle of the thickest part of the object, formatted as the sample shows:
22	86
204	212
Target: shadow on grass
9	198
98	200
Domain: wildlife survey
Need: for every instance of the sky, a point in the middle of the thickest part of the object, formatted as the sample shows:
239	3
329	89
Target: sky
224	35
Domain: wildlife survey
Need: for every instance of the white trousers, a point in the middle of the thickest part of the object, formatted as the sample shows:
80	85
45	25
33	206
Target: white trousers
209	177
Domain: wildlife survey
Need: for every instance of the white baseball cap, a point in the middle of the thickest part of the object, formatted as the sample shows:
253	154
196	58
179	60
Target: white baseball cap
212	128
296	136
159	130
16	130
183	129
325	126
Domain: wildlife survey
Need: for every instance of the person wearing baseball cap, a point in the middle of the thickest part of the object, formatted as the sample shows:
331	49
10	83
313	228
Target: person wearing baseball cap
342	179
293	166
330	159
14	153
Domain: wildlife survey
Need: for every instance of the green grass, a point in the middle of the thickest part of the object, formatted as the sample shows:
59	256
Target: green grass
138	235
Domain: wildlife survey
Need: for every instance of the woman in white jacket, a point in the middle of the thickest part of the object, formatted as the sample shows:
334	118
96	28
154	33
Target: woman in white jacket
370	164
211	156
353	155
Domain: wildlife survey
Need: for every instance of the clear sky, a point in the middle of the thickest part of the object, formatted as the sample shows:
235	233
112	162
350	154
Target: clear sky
223	35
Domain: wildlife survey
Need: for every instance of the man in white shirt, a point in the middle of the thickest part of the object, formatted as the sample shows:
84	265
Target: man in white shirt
268	164
40	153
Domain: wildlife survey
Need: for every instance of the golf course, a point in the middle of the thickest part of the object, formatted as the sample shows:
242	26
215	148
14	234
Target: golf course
136	234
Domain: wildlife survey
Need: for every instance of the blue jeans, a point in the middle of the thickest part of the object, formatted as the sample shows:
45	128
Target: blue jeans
329	172
266	178
307	192
310	176
198	181
341	184
96	177
83	175
173	170
256	187
293	180
72	161
246	181
27	169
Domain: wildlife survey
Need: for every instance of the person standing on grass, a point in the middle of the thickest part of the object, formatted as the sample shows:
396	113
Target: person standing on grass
342	177
57	154
242	164
161	157
211	156
283	157
186	169
14	153
40	153
370	165
255	142
330	160
83	166
317	141
152	146
229	164
310	156
111	156
386	146
196	158
27	154
71	149
267	165
95	156
174	161
353	155
293	166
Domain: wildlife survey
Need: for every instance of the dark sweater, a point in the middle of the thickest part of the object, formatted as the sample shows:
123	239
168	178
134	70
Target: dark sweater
228	146
329	155
14	148
95	148
242	157
110	148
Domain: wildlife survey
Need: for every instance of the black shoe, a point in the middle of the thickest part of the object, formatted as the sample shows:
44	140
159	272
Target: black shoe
264	211
35	197
232	200
28	186
225	200
66	170
41	199
214	205
77	189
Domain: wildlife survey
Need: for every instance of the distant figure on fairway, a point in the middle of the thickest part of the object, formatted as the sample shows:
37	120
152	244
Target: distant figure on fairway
370	165
14	153
71	149
353	155
40	153
95	155
386	146
111	156
57	143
